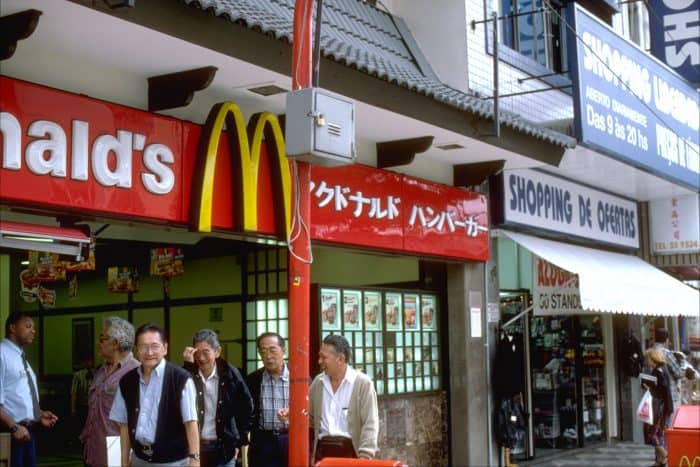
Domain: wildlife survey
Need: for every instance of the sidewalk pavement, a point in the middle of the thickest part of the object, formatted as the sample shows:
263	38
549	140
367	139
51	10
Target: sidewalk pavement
613	454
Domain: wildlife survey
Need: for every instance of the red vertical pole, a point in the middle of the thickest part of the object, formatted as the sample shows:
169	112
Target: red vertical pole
299	271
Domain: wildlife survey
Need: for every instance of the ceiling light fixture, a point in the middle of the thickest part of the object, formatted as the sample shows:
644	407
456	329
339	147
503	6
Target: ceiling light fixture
449	146
268	90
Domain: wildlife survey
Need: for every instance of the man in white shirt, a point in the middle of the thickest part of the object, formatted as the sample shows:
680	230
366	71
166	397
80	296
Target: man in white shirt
342	405
19	397
224	403
155	407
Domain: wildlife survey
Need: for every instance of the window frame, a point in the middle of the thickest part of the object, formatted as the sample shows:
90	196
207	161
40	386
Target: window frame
522	62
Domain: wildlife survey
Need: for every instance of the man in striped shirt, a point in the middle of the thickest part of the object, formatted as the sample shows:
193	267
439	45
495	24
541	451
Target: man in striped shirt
269	386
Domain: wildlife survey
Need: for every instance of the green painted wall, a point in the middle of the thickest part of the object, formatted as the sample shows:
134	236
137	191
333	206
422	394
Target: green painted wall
203	278
514	265
335	266
4	289
186	320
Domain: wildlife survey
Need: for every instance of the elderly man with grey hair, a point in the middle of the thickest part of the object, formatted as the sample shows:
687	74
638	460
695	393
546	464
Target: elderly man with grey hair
115	347
342	405
224	403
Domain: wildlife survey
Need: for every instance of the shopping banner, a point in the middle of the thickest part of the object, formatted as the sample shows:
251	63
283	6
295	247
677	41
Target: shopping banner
555	290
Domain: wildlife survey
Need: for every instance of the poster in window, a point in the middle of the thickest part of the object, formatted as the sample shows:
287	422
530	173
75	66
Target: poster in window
410	312
167	262
392	307
373	318
46	266
352	315
427	307
122	279
330	299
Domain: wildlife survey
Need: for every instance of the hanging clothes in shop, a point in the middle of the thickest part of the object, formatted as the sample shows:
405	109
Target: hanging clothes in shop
511	422
631	359
509	370
509	385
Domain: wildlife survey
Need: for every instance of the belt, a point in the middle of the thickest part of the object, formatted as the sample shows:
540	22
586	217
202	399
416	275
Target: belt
273	432
208	442
145	449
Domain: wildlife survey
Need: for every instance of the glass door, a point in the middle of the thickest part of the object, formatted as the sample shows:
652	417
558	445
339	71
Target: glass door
510	374
554	389
592	379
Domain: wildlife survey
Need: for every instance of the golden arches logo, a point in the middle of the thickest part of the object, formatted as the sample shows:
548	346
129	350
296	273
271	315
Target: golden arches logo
245	145
685	462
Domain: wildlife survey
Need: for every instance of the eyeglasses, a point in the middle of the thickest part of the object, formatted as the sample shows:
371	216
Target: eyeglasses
152	347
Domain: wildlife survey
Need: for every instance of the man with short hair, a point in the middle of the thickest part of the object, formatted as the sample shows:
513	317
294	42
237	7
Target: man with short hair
224	404
342	405
662	341
155	407
269	385
19	397
115	346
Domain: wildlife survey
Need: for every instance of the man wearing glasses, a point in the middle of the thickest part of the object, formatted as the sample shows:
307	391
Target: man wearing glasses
269	386
155	407
116	344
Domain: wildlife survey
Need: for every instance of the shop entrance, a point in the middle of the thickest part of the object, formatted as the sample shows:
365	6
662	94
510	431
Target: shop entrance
554	367
568	389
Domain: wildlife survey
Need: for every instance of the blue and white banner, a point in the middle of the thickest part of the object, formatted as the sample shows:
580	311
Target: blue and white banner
674	27
546	202
630	106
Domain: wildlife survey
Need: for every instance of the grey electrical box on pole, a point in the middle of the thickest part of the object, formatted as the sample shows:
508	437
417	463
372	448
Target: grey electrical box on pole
320	127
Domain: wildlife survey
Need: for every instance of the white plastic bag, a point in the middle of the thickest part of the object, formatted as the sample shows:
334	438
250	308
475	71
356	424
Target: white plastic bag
644	409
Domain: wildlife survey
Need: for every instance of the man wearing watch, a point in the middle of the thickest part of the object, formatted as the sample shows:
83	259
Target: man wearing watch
224	403
155	407
19	398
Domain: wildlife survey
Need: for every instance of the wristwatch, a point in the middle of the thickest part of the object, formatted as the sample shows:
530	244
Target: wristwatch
194	456
14	428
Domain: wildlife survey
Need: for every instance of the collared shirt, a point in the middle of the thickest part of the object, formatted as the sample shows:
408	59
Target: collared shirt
334	409
100	397
211	397
15	397
149	401
274	395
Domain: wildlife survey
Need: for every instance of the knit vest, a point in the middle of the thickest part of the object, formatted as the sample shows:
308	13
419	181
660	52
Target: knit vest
170	443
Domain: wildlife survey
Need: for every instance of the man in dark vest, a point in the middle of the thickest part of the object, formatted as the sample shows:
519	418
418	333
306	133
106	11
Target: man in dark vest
223	400
156	407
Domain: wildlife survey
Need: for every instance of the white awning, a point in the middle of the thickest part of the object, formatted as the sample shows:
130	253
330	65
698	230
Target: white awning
614	282
62	240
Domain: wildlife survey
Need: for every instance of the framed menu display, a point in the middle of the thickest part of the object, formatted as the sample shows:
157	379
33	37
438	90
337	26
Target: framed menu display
372	310
352	312
428	316
393	307
394	334
410	312
330	309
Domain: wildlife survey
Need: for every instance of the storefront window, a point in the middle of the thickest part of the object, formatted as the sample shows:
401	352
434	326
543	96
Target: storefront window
394	335
568	380
267	308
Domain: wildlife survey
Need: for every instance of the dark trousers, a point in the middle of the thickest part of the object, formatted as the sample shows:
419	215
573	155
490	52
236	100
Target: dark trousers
23	453
334	446
268	449
213	455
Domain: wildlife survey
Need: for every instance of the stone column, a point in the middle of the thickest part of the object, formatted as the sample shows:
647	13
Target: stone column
468	379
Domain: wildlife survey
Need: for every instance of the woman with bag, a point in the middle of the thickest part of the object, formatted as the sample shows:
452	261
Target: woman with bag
662	404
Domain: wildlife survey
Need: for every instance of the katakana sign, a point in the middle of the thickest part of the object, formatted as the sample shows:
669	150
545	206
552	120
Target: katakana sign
365	206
